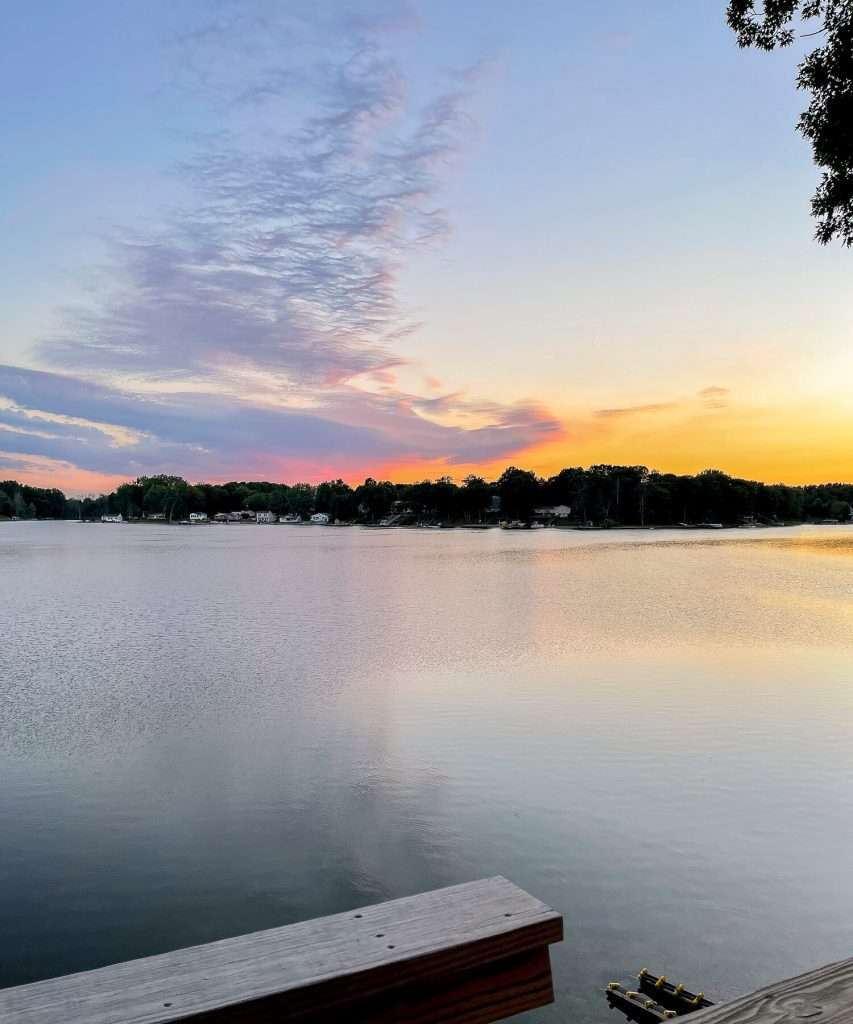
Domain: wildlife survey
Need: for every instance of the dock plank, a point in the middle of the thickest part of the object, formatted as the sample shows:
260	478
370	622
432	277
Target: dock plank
822	996
484	944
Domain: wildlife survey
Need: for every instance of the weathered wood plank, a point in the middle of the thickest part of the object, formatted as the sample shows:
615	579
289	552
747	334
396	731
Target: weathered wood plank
499	990
387	955
820	997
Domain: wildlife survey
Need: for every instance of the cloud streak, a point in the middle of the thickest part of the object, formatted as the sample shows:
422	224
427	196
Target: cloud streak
287	260
650	408
258	329
71	421
714	397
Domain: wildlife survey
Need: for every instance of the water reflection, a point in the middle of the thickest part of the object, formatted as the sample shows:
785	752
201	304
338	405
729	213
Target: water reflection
204	732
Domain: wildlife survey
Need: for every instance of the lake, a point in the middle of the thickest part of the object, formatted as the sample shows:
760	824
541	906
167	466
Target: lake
210	730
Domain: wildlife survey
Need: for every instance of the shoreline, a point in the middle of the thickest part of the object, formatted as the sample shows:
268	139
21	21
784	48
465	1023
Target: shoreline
480	527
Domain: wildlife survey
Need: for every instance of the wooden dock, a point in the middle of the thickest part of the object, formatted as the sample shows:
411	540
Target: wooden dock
469	954
822	996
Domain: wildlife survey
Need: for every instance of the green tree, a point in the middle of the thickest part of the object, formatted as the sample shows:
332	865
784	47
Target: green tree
336	499
168	495
257	501
600	493
839	509
568	487
300	499
521	491
213	498
27	502
475	498
446	499
129	499
279	498
19	506
375	498
94	508
827	74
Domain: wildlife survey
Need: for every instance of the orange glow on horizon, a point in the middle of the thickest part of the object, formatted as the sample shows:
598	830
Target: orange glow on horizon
807	443
42	472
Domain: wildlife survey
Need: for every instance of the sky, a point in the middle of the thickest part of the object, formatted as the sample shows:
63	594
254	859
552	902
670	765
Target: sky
244	239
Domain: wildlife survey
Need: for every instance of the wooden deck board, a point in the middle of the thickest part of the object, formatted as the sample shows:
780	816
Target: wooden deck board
822	996
368	957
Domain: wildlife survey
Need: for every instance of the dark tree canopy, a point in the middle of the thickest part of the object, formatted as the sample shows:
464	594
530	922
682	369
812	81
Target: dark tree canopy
602	495
826	73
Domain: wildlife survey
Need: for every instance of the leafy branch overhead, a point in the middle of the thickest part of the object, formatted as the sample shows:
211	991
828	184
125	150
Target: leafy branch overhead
827	73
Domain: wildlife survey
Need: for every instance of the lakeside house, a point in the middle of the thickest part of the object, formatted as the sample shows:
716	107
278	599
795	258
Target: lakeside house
198	517
558	512
241	516
118	518
320	519
266	517
155	516
290	518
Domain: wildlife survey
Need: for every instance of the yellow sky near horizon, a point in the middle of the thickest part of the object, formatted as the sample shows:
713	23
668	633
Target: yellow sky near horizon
775	441
794	443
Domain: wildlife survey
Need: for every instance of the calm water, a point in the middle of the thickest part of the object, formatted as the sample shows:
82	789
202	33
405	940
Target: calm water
206	731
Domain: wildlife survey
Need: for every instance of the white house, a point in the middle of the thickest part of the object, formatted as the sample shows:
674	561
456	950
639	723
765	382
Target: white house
266	517
198	517
320	519
113	519
555	511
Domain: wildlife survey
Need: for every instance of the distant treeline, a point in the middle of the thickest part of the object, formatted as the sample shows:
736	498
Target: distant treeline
603	495
24	502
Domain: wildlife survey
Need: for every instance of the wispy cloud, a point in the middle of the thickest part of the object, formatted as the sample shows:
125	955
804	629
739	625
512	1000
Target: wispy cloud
650	408
287	259
240	334
215	436
714	397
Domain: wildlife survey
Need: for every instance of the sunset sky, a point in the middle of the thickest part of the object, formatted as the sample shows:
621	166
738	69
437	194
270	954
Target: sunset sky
294	241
